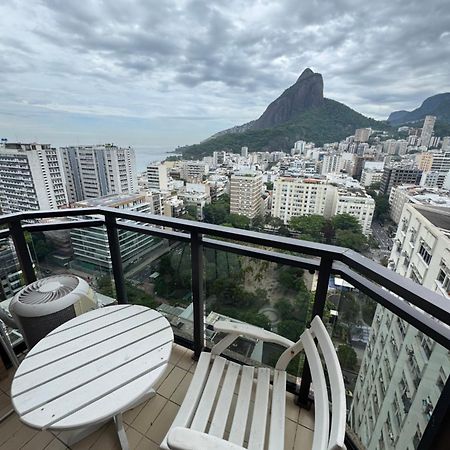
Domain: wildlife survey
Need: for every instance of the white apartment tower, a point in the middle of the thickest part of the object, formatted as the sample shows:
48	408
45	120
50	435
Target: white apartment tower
403	372
332	163
427	130
299	197
362	134
246	194
244	152
157	176
97	170
31	178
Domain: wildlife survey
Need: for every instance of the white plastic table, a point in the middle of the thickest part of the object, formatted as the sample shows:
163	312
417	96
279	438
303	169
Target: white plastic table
91	369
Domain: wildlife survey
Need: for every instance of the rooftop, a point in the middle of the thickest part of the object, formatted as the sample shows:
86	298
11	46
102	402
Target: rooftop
146	424
112	200
439	217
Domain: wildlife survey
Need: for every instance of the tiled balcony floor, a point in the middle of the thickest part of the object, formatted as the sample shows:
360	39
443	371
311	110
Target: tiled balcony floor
147	424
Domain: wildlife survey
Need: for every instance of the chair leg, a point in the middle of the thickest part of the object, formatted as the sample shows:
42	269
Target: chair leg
118	421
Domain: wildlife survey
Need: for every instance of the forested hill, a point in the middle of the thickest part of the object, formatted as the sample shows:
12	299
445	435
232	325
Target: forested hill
330	122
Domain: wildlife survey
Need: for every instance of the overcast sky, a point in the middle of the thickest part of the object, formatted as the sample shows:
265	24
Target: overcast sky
162	73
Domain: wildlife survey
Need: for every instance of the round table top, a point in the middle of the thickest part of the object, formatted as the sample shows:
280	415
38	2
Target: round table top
92	367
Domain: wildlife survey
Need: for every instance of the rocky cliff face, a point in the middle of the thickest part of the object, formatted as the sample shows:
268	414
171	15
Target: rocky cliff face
305	94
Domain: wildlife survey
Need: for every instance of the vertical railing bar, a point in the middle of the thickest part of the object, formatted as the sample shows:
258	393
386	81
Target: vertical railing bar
22	251
116	258
197	292
320	298
437	433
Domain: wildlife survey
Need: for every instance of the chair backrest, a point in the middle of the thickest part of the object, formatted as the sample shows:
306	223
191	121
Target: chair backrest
325	437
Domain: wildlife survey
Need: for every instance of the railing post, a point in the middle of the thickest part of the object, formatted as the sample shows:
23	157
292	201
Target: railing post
116	258
318	309
197	292
22	251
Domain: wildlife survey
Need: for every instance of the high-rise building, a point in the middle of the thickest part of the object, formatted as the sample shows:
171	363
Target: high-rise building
362	134
427	130
11	279
390	146
31	178
246	194
157	177
331	163
90	245
370	177
244	152
97	170
445	146
441	162
424	161
403	372
393	176
299	148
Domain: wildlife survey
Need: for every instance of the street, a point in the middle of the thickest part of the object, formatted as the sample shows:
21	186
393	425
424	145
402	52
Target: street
381	236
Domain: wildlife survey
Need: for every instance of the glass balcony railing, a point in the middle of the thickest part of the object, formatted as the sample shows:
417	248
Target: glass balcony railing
392	336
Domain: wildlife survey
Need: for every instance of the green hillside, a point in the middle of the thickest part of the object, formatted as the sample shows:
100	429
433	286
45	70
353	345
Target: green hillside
328	123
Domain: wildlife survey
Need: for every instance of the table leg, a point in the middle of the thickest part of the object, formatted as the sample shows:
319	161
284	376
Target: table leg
118	421
71	437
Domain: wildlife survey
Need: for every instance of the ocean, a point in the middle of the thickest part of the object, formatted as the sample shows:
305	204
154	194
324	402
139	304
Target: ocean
145	155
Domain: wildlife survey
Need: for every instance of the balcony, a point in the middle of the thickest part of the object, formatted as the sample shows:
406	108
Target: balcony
205	258
146	424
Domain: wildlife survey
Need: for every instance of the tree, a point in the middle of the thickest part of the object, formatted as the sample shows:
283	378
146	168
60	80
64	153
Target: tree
218	212
269	186
346	222
191	212
310	227
290	329
239	221
347	356
105	286
351	239
348	307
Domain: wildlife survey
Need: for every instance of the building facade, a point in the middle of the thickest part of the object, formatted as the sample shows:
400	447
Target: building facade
11	280
299	197
393	176
362	134
31	178
93	171
403	372
90	245
246	194
427	130
157	177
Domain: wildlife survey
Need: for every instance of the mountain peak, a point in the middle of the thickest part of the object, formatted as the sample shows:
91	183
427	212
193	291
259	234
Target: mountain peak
305	74
306	93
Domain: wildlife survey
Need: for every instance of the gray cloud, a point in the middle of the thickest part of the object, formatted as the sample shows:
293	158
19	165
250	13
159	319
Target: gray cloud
224	60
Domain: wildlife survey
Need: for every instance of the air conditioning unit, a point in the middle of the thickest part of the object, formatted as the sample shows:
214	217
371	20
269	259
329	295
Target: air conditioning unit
45	304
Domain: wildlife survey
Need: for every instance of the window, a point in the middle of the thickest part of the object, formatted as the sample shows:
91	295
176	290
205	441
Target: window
424	252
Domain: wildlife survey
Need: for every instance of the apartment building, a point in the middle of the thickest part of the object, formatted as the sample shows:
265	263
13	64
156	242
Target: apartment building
362	134
302	196
331	163
90	245
11	279
403	372
418	195
370	177
94	171
357	203
157	177
427	130
246	194
31	178
194	171
393	176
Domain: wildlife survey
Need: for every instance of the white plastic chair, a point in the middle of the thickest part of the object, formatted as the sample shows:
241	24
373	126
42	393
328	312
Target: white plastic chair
208	406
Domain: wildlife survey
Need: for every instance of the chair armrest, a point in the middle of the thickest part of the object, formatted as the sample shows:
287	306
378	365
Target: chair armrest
233	330
186	439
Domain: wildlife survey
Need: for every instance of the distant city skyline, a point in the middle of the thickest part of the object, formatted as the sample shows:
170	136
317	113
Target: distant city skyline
171	73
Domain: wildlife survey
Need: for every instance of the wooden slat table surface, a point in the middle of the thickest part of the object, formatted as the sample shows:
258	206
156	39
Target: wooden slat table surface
92	368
